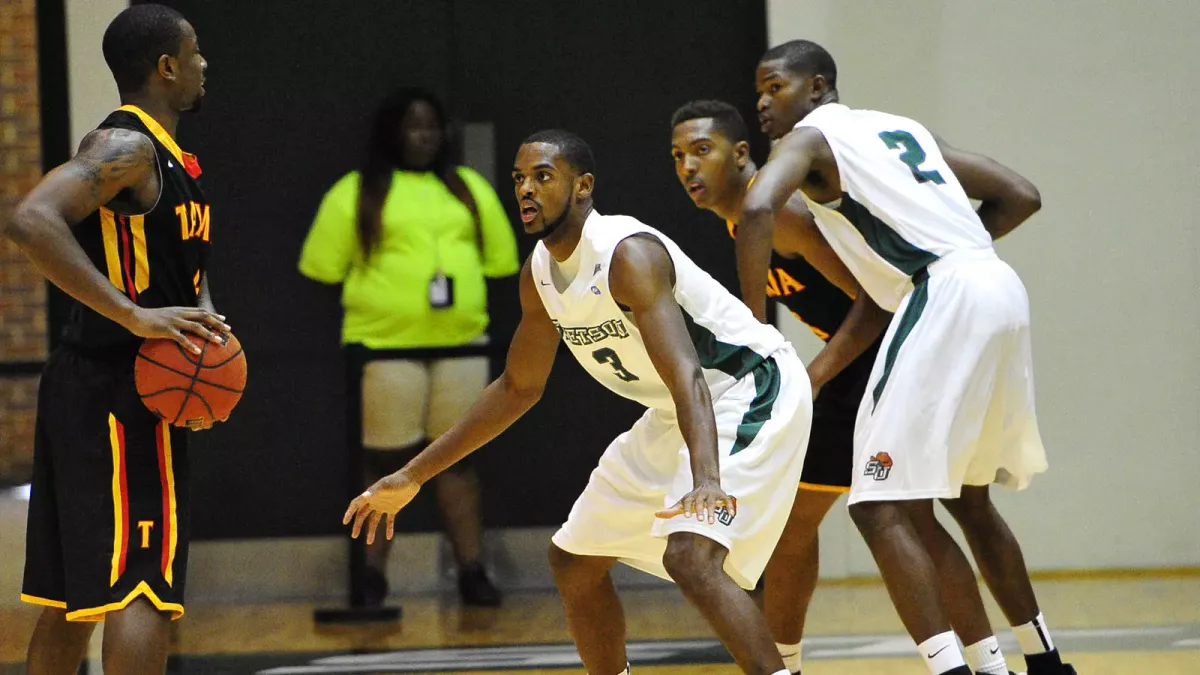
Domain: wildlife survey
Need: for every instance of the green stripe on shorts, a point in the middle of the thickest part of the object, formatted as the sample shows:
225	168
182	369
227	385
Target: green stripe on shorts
766	387
908	320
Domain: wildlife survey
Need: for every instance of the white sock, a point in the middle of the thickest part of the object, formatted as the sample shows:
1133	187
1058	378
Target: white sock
626	671
985	657
791	655
1034	637
782	672
941	653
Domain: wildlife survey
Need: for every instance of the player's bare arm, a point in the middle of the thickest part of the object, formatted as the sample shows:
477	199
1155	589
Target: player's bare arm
530	358
864	323
796	233
642	278
795	156
1008	198
110	163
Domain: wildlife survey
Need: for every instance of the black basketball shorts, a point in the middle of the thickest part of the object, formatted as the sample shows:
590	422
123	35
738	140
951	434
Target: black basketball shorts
108	512
830	459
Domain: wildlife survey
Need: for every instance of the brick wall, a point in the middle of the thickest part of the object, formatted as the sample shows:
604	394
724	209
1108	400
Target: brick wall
22	291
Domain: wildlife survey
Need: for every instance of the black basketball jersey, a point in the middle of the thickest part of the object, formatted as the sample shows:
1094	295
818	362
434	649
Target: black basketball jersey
809	296
156	258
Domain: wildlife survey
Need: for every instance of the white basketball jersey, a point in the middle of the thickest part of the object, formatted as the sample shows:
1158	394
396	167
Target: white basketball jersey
608	344
901	207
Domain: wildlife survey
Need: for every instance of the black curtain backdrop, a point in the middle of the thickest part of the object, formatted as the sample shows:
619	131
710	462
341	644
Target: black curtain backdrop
291	86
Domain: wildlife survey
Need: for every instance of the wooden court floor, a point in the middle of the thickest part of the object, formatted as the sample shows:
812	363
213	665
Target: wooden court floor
1104	626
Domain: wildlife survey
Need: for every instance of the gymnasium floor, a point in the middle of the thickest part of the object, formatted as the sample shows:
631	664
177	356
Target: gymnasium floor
1137	624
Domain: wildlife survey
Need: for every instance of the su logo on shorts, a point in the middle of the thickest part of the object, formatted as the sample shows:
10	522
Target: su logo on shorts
724	517
879	466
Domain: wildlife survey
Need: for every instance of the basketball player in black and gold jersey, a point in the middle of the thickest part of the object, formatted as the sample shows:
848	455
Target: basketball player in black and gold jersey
124	228
710	146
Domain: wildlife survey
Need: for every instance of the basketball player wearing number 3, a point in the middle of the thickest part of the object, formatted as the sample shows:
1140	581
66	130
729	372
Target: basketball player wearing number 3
699	489
123	228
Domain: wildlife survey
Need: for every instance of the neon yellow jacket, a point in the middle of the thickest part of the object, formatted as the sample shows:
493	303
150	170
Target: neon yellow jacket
425	229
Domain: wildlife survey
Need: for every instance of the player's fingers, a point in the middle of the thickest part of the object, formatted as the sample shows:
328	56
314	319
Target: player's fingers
198	328
689	506
178	336
732	506
359	520
373	526
671	511
391	526
355	504
213	321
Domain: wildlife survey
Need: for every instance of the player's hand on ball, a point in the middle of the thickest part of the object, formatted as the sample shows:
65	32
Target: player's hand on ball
172	322
704	502
386	497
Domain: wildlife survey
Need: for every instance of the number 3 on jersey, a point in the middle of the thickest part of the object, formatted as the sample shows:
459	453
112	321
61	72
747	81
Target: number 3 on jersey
606	355
913	155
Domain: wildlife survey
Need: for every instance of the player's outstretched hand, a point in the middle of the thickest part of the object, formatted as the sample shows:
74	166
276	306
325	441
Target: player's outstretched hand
704	501
386	497
172	322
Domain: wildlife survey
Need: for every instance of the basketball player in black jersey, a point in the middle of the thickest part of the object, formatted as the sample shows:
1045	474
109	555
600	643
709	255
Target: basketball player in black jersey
124	228
710	147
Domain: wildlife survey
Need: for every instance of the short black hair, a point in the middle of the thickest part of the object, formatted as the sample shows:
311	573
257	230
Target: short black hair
805	57
725	117
135	40
572	148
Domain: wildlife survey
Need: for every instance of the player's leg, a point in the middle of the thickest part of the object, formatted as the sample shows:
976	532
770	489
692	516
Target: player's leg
595	619
136	639
697	564
57	646
960	595
1002	565
455	384
395	400
792	572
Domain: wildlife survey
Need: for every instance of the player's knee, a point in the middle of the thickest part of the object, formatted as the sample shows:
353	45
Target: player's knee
873	518
691	560
972	509
572	570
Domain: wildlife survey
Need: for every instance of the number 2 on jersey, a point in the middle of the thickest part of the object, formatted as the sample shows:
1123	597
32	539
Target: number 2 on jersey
606	355
913	155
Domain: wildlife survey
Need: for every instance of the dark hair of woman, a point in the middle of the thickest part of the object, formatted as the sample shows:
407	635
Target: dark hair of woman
390	149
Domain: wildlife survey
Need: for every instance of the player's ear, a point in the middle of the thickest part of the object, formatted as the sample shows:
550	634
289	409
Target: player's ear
166	67
741	153
584	186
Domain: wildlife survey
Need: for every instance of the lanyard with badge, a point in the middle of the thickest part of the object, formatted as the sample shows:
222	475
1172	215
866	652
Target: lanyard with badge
441	287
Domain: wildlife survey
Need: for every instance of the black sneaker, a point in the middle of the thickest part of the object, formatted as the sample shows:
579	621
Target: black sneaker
375	588
476	590
1048	663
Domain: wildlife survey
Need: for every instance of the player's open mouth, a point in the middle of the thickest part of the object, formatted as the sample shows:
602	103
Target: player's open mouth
695	187
529	211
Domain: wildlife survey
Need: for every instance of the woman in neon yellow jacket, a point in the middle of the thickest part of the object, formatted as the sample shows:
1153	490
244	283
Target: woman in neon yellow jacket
411	237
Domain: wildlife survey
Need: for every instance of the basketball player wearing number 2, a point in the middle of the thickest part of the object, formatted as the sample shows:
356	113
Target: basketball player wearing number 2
123	228
699	489
949	405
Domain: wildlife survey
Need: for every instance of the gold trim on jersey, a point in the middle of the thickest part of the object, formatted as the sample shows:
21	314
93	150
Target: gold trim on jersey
156	129
141	264
112	253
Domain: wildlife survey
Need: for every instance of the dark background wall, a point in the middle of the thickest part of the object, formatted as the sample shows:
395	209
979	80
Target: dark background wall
290	88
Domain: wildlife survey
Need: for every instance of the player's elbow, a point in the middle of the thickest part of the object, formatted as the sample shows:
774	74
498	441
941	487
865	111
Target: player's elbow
756	213
1025	198
527	391
21	224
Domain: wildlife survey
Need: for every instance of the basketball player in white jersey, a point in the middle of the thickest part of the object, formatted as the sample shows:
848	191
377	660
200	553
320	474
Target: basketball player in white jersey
710	146
699	489
949	407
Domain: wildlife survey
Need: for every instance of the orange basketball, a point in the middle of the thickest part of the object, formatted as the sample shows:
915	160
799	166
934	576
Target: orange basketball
191	390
